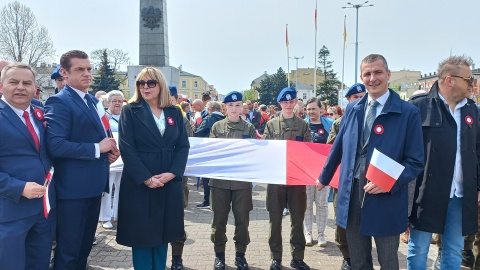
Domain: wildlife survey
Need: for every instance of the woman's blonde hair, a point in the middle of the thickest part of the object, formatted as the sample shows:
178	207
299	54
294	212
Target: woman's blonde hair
154	74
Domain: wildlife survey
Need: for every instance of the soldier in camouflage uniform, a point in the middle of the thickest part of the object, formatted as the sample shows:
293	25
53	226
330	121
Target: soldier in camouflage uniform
287	126
224	193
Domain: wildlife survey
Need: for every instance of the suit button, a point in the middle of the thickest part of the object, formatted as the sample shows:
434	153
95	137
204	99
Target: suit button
348	193
434	149
437	124
429	175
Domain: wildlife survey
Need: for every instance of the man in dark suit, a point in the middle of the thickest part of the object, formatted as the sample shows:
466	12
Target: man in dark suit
380	120
25	233
253	115
78	142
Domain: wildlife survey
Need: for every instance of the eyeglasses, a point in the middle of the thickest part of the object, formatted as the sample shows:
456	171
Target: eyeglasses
469	80
149	83
117	101
331	114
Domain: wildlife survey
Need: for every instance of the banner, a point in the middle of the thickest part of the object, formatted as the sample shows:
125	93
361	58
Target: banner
261	161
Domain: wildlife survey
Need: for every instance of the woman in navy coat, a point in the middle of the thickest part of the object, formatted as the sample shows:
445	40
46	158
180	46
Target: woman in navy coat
154	147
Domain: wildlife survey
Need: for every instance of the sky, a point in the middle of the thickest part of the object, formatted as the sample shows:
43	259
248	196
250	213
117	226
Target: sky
231	42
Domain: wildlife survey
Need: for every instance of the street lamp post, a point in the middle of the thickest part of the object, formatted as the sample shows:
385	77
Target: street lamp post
357	7
296	71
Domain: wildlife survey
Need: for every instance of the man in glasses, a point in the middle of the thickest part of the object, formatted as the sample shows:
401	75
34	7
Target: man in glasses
446	193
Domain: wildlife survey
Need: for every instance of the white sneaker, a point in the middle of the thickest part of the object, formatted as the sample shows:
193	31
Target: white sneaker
321	242
107	225
308	239
285	211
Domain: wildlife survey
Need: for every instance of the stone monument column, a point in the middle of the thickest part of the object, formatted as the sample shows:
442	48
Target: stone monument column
153	49
153	29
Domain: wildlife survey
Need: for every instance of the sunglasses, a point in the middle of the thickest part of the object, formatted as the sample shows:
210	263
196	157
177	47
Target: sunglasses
149	83
469	80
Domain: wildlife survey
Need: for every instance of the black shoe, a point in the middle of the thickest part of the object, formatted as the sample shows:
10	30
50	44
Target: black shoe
219	264
204	205
276	265
241	263
177	264
345	265
468	259
436	264
299	264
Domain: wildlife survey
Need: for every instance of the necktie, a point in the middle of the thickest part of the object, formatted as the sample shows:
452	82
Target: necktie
372	113
90	105
31	130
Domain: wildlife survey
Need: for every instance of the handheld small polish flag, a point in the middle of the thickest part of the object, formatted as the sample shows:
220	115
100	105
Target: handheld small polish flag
383	171
103	117
46	199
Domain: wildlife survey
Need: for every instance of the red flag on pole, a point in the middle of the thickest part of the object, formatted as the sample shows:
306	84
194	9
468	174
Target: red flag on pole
315	16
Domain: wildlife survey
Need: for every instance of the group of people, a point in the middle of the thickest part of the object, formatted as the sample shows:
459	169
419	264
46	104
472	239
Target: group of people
435	137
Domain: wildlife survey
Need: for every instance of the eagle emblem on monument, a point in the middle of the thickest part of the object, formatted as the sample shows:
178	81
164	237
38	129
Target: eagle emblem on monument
152	17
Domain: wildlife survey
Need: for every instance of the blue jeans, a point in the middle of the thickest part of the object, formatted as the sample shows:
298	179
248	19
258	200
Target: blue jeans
150	258
452	241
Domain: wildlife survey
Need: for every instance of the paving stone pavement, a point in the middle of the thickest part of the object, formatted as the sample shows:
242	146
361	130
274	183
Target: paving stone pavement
198	252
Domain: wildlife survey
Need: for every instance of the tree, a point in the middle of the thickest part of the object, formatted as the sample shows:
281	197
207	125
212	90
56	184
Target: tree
249	94
271	86
22	39
105	79
116	57
328	88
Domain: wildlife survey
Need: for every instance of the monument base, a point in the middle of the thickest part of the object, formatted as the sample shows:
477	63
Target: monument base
172	75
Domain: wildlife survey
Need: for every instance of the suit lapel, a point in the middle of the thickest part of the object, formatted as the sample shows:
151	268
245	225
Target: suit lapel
13	118
80	103
145	116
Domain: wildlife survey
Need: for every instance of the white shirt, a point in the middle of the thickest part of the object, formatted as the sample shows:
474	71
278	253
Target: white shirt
457	182
20	114
381	100
160	122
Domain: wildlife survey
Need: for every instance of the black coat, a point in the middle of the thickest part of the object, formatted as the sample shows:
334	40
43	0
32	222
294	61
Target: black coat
432	191
150	217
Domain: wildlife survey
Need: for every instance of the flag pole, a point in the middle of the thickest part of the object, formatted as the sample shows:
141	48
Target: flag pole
288	55
315	56
343	60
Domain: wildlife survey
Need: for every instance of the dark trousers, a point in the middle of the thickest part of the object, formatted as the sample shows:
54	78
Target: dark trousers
26	243
360	246
177	245
297	204
340	233
241	204
76	225
206	190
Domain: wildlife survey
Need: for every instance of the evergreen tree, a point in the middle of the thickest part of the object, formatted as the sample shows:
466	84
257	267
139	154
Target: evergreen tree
328	88
271	86
105	79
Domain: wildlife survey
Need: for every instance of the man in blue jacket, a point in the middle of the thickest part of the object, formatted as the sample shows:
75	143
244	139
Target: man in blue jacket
82	152
383	121
25	233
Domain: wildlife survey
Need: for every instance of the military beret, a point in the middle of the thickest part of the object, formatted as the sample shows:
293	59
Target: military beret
173	90
56	74
355	89
287	94
232	97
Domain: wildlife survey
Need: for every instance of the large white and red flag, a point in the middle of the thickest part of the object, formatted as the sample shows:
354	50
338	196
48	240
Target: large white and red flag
249	160
261	161
383	171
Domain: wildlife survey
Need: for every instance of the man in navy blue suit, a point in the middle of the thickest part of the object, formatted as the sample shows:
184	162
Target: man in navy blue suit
25	233
82	152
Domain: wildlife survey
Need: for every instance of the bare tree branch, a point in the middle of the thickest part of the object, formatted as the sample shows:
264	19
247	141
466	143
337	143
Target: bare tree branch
21	38
116	58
